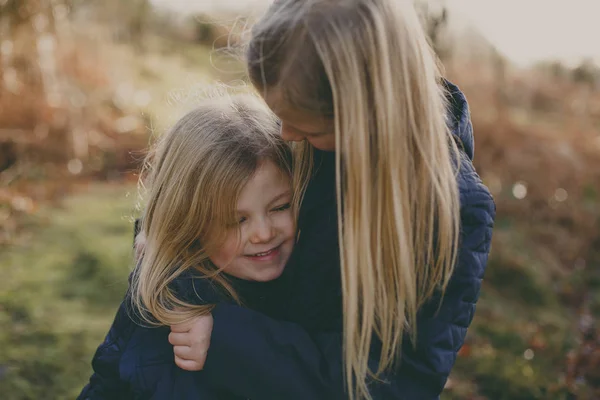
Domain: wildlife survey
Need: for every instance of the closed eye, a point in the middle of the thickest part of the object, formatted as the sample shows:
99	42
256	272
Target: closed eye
283	207
310	134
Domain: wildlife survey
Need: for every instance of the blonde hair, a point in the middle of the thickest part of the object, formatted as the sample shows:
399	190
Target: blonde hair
367	65
194	177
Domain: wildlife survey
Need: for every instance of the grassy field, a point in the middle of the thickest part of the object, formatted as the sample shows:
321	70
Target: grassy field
59	291
516	347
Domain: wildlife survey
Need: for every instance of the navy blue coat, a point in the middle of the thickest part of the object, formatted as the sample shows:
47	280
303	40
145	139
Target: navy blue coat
287	343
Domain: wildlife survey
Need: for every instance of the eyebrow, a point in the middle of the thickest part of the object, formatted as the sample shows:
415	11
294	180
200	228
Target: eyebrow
314	134
280	196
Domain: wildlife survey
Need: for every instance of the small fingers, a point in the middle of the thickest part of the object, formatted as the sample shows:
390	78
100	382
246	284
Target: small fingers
179	339
183	352
188	365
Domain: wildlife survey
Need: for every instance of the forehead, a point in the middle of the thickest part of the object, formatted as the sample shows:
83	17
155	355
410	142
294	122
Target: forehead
267	183
301	120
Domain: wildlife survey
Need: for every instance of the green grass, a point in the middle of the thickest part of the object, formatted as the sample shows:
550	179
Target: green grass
59	291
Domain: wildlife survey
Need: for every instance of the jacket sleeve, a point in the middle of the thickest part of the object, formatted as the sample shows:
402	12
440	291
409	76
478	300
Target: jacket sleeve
275	359
258	357
152	373
105	382
135	359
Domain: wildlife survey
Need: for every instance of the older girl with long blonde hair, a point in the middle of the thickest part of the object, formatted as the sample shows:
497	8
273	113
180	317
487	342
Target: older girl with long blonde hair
414	221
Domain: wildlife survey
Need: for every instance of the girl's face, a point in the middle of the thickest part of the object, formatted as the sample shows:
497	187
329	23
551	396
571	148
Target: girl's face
297	126
260	246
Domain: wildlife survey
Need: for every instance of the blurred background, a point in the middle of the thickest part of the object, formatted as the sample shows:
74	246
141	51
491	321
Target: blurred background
84	84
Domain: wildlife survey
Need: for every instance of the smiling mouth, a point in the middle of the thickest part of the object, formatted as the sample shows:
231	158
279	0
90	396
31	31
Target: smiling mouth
264	253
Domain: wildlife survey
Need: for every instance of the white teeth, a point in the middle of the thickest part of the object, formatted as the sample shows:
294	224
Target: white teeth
266	253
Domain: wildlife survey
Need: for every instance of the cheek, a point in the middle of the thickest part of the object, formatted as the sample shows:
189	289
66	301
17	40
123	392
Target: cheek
285	223
230	249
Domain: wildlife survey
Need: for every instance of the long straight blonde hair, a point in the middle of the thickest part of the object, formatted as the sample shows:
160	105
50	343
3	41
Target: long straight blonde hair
367	65
194	176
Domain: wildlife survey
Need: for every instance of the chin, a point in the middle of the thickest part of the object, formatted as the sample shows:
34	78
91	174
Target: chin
269	275
323	145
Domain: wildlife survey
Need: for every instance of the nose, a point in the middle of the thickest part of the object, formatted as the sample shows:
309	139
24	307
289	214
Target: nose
262	231
289	135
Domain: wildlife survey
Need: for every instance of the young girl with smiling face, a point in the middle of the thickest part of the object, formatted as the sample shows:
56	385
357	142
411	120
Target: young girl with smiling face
219	225
263	241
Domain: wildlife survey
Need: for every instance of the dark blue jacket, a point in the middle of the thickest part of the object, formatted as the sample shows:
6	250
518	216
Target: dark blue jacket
287	345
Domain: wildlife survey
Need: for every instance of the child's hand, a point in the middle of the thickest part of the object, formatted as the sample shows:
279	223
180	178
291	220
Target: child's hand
191	341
